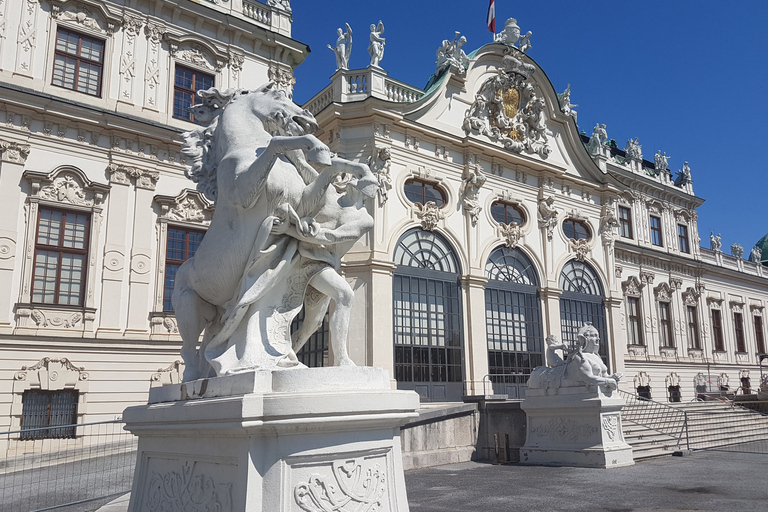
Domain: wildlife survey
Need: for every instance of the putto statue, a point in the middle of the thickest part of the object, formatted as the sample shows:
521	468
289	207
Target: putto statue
277	236
450	55
376	46
343	48
582	366
715	242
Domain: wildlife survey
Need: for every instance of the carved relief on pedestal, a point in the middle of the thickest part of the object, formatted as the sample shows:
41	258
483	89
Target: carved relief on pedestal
508	111
358	484
563	430
610	424
192	484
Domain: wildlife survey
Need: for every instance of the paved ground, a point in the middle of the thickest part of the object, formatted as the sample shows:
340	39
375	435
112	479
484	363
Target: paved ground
706	480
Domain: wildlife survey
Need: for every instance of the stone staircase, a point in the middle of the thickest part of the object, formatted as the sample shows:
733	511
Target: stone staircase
711	424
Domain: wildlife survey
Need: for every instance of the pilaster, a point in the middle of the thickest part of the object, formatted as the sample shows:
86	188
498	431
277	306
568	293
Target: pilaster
476	345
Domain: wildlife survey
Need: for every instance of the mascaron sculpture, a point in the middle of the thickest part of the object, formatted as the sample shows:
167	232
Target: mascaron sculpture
277	236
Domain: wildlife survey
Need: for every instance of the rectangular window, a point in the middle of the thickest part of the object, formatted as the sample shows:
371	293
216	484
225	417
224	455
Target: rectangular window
77	62
738	325
665	325
656	231
61	252
625	222
41	410
186	85
182	245
635	321
682	238
759	335
717	330
693	328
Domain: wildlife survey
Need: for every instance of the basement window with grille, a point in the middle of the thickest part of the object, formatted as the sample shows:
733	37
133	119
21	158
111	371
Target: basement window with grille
49	414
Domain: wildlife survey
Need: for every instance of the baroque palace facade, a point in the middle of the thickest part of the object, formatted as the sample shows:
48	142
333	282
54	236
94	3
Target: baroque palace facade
497	223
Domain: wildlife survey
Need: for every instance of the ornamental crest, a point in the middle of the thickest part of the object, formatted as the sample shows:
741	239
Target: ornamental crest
508	111
512	233
429	214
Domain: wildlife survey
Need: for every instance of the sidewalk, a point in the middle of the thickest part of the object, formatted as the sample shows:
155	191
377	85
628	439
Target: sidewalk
705	480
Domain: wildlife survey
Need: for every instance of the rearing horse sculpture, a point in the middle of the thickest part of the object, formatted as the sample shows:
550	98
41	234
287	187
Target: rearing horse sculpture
248	278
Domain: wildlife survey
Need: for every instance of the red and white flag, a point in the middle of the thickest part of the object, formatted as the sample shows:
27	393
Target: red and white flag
491	17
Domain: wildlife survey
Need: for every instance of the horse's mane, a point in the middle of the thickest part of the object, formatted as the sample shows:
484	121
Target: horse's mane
198	143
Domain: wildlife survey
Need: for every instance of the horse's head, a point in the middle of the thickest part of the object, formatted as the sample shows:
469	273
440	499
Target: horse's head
357	176
278	114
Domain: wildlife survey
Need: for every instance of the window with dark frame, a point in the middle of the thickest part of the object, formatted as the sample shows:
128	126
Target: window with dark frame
665	325
576	229
656	231
759	339
507	213
42	409
682	238
693	327
78	62
419	191
187	83
635	321
182	245
61	253
717	330
738	325
625	222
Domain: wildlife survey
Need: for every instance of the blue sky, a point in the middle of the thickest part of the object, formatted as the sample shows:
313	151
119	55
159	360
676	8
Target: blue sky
689	77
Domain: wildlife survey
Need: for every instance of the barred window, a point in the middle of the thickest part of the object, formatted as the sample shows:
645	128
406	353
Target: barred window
77	62
187	83
182	245
44	409
61	253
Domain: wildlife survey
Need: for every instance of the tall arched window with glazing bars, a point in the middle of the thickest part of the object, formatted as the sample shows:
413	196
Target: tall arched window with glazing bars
582	301
513	320
427	317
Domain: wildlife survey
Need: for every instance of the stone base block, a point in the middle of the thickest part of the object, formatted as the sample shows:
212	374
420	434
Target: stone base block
576	427
301	440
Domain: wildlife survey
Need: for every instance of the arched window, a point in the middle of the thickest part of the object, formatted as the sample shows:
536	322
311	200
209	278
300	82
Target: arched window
507	213
576	229
581	302
427	317
513	320
420	191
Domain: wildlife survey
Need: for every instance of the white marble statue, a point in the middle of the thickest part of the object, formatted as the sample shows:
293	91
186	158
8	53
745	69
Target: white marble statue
510	34
598	138
737	250
282	4
684	176
547	214
343	47
279	231
633	150
661	162
376	46
756	254
525	42
450	54
582	366
715	242
566	107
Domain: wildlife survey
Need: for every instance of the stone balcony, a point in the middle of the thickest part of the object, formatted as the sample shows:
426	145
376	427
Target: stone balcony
272	18
349	85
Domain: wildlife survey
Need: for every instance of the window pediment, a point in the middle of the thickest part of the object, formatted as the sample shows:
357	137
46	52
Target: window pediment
66	186
189	206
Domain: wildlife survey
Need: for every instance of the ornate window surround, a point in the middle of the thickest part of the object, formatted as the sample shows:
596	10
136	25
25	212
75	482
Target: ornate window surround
67	188
633	289
90	20
50	373
663	294
195	53
190	210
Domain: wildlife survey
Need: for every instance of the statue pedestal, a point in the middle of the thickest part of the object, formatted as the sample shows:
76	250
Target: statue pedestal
311	439
579	426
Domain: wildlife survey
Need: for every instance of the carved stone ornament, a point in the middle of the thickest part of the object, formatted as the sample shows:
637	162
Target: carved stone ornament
547	214
663	293
580	247
80	15
563	430
691	297
13	152
380	163
646	277
429	214
187	489
194	54
608	223
283	78
69	186
756	255
56	320
737	250
144	178
632	287
352	485
188	206
736	305
637	351
52	371
173	368
512	233
508	111
471	182
675	282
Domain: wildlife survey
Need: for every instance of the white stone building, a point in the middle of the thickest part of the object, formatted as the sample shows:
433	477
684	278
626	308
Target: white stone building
96	211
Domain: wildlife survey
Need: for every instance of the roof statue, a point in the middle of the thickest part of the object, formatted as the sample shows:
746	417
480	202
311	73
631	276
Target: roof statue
660	162
715	242
582	366
683	177
343	47
756	255
633	151
282	4
276	239
597	140
566	107
737	250
376	46
450	55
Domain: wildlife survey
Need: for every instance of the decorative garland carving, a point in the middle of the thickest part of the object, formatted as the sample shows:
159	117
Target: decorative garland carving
350	487
187	489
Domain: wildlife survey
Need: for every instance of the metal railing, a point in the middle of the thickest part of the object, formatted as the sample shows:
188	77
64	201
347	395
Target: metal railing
662	418
96	461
